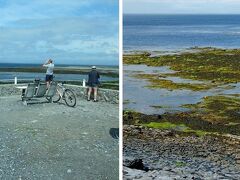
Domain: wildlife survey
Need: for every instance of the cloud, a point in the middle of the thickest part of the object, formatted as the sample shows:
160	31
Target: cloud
65	30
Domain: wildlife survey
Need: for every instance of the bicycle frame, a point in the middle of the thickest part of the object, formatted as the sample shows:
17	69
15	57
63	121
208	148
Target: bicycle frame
65	94
60	86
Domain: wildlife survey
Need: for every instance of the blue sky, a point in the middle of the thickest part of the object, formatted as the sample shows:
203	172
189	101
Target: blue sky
68	31
181	6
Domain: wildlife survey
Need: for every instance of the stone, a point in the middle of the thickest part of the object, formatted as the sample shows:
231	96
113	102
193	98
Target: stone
137	164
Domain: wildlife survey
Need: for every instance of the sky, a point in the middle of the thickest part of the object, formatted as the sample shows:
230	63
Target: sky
67	31
181	6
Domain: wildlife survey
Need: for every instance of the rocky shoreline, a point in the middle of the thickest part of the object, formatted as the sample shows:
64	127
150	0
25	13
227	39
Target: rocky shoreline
169	154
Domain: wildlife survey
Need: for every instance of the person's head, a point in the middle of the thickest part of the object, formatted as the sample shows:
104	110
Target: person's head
50	61
94	68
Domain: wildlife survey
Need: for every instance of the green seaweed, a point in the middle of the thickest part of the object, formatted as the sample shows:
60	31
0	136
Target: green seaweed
217	109
157	107
215	114
131	117
127	101
177	127
180	164
217	65
163	125
156	82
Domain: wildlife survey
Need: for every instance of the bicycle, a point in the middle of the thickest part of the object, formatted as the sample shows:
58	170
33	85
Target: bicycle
65	94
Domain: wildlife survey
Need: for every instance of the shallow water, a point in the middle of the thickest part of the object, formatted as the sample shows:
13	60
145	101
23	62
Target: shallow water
140	98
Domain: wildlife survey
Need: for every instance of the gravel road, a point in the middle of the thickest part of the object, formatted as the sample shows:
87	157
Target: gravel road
53	141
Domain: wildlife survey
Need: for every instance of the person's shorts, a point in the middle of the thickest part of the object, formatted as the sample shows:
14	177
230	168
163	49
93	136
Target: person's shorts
49	77
93	85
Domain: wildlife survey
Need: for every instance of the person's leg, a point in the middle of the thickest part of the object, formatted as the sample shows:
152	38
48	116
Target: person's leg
95	93
89	93
48	83
47	80
50	79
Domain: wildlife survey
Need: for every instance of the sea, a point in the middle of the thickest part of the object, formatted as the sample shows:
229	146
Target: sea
9	76
179	32
172	33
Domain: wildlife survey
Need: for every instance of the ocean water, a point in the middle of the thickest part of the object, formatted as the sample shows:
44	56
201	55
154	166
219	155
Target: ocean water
177	32
173	33
58	77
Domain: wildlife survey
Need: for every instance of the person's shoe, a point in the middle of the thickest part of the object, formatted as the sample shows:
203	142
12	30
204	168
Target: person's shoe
95	100
88	99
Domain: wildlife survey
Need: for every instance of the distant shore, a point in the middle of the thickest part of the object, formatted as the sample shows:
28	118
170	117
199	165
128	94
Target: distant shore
110	72
175	51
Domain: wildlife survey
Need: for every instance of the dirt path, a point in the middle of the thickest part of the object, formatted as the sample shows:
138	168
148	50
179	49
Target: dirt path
53	141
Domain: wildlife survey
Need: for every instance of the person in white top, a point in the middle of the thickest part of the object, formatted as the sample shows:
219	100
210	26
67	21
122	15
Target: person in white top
49	74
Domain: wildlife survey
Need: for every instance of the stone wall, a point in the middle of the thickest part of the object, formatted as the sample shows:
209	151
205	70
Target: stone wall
106	95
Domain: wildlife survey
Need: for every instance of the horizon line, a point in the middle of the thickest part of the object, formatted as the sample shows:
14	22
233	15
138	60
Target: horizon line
180	14
63	64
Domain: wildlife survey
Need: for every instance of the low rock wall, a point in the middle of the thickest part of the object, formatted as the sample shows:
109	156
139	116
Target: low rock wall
107	95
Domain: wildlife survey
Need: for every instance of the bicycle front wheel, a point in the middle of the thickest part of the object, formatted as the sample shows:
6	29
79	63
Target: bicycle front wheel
69	98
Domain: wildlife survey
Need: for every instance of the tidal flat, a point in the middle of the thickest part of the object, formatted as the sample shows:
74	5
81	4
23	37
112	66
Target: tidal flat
184	76
216	65
197	95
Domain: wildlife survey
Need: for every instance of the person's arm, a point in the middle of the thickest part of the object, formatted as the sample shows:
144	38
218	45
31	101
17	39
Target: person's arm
88	77
46	64
98	75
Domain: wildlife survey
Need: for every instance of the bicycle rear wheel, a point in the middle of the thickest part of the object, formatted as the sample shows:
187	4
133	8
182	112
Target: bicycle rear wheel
69	98
55	98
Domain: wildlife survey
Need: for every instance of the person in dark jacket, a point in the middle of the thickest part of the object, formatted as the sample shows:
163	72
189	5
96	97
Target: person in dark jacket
93	82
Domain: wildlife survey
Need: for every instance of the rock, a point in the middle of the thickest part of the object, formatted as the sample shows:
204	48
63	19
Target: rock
137	164
203	158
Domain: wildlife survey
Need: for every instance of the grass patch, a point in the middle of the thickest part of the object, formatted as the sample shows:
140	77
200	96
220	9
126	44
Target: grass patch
105	72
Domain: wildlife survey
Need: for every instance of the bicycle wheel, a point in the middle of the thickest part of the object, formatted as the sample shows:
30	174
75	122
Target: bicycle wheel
69	98
55	98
